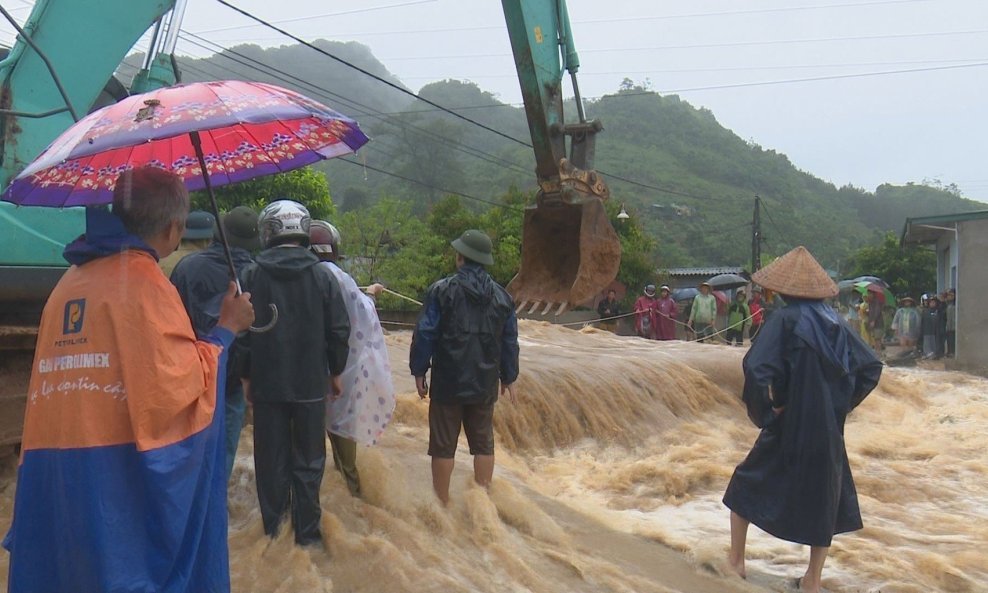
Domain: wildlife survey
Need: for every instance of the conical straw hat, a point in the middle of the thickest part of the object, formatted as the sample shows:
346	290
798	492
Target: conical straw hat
797	274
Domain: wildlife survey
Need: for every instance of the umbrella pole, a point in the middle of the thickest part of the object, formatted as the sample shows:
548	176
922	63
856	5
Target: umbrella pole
197	146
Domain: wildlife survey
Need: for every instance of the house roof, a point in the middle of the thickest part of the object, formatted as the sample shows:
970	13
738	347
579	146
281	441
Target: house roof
713	271
928	229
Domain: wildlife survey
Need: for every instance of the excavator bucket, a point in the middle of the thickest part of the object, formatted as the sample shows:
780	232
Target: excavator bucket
570	253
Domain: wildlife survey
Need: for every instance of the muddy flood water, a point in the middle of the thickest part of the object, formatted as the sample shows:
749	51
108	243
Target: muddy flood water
610	472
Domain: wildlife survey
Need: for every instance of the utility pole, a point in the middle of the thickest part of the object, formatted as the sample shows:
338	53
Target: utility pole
756	237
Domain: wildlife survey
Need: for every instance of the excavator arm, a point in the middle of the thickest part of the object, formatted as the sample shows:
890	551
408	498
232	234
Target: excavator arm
60	69
570	252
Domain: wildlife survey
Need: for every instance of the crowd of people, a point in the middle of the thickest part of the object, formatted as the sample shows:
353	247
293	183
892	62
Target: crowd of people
138	395
140	385
929	331
926	330
658	316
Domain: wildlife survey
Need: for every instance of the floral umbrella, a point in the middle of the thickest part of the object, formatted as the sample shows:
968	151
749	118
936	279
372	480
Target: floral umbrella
208	133
246	130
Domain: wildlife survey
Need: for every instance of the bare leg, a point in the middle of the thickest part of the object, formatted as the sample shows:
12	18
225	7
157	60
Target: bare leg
483	469
442	470
814	571
739	535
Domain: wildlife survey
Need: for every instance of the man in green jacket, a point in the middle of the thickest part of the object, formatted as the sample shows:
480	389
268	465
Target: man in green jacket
703	315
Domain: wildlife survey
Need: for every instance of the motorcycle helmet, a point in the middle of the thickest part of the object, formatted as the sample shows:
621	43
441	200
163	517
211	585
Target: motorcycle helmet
324	238
284	220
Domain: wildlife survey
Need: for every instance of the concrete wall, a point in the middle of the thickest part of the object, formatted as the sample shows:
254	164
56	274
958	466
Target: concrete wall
972	290
947	258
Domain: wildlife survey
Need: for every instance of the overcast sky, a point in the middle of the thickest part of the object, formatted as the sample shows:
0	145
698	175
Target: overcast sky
931	123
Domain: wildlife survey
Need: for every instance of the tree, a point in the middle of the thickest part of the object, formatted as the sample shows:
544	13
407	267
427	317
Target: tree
637	251
907	270
306	186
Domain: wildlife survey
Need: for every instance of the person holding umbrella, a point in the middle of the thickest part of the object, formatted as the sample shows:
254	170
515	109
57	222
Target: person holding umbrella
802	377
874	321
123	408
162	521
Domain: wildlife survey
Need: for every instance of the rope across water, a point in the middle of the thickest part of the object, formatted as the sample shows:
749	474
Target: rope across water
584	323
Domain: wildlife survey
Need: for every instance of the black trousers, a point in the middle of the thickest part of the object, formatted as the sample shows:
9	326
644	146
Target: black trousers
289	460
734	335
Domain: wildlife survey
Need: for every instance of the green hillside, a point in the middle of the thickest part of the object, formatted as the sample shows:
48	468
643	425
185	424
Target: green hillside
700	178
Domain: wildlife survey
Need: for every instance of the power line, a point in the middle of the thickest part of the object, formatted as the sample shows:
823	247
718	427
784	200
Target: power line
319	16
432	187
819	78
371	74
623	19
715	45
365	109
585	73
446	109
777	229
432	103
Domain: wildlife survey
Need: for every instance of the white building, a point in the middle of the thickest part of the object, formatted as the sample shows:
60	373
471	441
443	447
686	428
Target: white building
961	244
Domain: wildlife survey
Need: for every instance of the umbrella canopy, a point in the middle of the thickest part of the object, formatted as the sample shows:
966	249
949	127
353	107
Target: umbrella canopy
684	294
727	281
883	294
247	130
849	285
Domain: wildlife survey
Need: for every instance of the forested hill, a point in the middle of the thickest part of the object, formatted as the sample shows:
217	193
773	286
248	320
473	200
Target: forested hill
696	180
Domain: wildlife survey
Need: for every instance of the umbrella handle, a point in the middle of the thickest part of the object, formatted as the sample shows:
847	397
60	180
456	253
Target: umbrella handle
270	325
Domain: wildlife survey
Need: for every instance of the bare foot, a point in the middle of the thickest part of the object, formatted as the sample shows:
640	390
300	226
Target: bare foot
737	566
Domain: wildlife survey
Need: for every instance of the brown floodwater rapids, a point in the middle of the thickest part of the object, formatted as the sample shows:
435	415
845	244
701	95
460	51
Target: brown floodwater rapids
610	471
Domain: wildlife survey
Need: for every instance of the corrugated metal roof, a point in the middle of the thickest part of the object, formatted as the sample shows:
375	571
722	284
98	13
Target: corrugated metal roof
927	229
713	271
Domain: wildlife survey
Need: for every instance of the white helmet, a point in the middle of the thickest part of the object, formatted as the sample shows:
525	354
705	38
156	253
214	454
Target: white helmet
284	220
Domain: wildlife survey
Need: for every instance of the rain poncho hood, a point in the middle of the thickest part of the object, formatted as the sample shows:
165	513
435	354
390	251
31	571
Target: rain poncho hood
105	235
820	328
476	283
286	262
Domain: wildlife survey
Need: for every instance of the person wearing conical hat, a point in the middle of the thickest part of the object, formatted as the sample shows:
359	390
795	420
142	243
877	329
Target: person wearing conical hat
803	375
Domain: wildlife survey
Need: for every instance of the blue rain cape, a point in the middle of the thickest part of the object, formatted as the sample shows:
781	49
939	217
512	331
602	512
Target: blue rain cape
121	485
796	483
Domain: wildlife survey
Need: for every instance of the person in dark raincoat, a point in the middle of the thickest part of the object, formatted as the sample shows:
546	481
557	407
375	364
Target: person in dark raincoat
803	375
201	279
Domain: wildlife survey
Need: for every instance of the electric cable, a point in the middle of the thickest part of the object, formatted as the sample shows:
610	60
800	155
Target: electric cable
432	187
363	108
371	74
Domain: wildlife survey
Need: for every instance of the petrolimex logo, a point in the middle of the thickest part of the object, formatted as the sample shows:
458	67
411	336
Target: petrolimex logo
75	314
